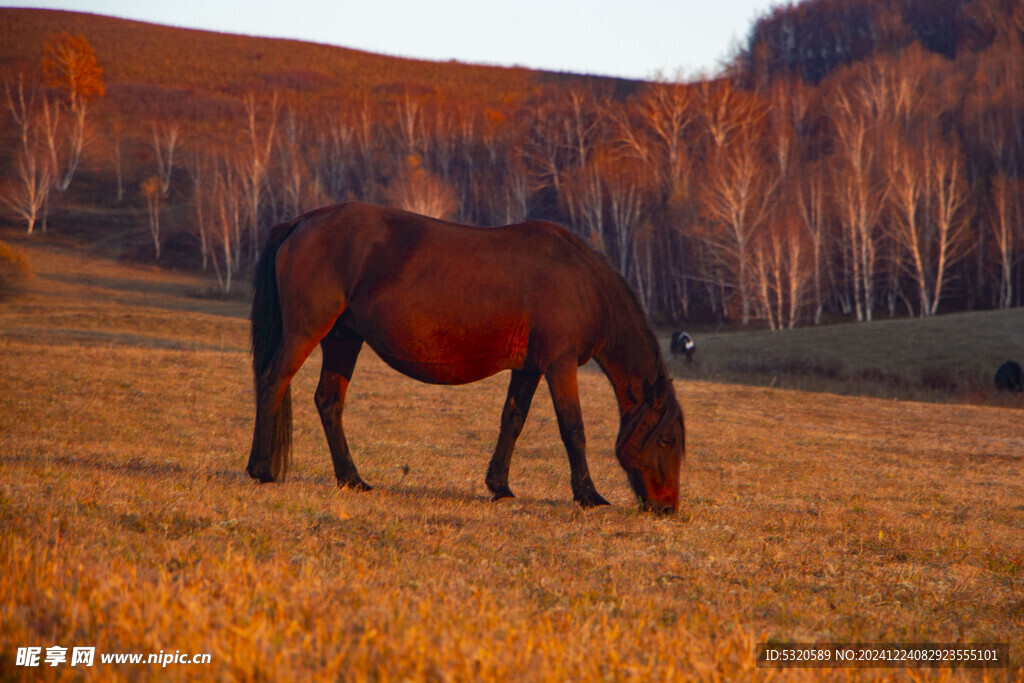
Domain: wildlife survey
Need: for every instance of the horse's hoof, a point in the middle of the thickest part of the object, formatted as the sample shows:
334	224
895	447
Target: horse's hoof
262	476
354	485
500	491
592	501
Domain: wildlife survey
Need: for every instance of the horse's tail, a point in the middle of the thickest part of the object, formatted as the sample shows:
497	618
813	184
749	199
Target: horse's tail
267	331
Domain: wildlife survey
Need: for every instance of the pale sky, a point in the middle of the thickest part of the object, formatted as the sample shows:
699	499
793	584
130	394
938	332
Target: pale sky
629	38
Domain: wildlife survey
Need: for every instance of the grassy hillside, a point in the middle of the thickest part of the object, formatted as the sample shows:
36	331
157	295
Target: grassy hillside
130	526
190	72
946	358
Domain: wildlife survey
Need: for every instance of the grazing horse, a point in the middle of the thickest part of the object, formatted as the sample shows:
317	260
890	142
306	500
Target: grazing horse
682	344
450	304
1010	377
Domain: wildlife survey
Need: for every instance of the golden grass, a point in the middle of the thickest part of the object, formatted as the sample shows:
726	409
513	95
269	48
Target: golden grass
128	523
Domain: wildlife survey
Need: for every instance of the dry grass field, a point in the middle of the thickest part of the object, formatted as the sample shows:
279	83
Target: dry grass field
128	524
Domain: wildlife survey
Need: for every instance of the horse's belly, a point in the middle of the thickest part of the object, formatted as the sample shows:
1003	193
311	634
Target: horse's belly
453	371
450	354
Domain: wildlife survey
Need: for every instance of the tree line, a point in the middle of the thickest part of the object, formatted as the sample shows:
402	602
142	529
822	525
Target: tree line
891	184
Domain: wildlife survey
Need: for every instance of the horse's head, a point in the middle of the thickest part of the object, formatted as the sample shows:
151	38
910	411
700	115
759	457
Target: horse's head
650	446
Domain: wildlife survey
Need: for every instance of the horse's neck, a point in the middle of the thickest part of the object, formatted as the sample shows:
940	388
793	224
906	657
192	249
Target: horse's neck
631	360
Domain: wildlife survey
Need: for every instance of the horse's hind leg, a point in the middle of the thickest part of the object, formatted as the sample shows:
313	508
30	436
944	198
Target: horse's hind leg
517	405
271	442
341	349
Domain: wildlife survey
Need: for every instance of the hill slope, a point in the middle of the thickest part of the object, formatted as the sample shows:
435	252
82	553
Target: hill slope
949	357
166	63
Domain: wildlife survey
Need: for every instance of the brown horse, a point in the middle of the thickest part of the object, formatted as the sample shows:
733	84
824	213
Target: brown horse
451	304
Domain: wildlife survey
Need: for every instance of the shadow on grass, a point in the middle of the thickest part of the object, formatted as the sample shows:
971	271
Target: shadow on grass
99	462
99	338
162	295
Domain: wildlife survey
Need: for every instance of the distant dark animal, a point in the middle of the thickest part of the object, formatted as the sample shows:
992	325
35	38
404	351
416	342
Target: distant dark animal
682	344
1010	377
450	304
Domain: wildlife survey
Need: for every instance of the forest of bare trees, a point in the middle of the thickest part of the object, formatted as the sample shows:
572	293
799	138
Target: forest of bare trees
867	179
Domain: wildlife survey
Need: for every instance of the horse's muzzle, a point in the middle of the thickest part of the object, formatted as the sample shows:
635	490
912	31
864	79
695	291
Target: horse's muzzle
647	504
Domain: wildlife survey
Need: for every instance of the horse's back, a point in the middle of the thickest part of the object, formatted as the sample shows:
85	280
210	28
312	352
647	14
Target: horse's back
352	231
376	249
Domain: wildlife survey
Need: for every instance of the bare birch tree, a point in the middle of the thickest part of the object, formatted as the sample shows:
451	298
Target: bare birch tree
736	200
164	140
624	182
254	163
908	189
928	195
334	154
198	165
810	205
656	133
798	253
229	199
583	193
408	126
297	184
859	192
515	189
583	125
1006	225
50	119
764	277
544	148
725	110
26	191
949	214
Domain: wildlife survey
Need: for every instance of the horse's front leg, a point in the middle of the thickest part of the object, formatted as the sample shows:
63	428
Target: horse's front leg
340	349
521	388
562	383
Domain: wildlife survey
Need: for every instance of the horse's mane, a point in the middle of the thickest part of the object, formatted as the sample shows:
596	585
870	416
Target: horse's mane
637	324
625	319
